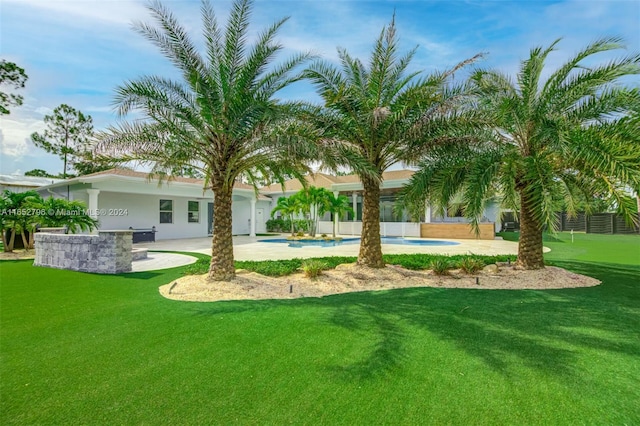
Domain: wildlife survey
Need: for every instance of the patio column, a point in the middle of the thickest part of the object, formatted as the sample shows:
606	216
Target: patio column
336	224
252	225
93	205
427	212
354	203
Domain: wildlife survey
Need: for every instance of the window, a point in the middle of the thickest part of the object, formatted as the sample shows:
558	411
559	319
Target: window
166	211
193	212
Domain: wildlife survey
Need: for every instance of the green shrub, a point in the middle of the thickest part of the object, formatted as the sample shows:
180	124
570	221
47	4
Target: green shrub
313	267
279	268
301	225
200	267
471	264
440	266
278	225
271	268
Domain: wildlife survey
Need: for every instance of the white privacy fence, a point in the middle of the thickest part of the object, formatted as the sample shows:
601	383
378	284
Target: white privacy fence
387	229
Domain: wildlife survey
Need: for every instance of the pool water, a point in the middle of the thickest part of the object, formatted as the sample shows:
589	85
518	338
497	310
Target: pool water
346	241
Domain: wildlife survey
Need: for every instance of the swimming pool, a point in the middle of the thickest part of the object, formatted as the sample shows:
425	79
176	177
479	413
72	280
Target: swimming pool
345	241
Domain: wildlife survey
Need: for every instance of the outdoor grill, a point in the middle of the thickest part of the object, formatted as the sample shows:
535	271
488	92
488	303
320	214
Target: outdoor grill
144	235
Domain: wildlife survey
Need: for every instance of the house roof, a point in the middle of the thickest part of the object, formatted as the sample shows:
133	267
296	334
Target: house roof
389	175
26	181
322	180
126	173
319	180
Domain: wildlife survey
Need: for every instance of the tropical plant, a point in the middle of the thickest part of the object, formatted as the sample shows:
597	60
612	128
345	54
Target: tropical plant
471	265
221	118
68	134
381	114
440	266
338	206
574	135
312	268
16	217
23	212
314	203
288	207
59	212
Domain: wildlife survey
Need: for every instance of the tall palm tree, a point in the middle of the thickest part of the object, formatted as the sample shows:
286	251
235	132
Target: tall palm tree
572	136
380	114
221	118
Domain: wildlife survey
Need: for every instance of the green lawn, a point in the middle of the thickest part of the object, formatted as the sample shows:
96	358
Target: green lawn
88	349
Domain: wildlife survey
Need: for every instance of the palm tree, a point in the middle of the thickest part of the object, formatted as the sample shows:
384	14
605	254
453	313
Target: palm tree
15	206
313	202
338	206
288	207
220	119
572	136
381	114
61	212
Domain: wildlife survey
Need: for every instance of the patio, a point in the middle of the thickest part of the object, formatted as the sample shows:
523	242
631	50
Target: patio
251	248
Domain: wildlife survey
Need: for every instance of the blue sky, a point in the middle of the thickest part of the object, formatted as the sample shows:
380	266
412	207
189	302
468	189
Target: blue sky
77	51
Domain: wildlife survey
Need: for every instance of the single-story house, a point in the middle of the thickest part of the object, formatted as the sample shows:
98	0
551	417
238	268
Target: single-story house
180	208
183	207
430	223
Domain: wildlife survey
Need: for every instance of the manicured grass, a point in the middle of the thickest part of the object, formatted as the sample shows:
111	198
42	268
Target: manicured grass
87	349
615	249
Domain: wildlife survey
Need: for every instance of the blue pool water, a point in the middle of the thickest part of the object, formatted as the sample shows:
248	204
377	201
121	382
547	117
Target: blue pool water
345	241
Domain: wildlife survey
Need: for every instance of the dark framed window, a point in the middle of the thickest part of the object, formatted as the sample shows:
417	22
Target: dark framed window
193	212
166	211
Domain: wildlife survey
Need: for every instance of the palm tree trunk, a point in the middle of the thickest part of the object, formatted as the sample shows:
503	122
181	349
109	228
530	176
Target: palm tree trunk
32	238
370	249
4	239
530	243
12	239
293	229
335	224
222	267
25	242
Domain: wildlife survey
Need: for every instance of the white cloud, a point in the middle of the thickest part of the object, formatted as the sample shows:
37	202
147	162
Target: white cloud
43	110
119	12
16	134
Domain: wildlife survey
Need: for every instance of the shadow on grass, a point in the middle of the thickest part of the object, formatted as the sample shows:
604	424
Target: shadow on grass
506	329
388	351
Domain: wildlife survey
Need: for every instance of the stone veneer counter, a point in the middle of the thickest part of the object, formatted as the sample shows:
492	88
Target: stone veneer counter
109	252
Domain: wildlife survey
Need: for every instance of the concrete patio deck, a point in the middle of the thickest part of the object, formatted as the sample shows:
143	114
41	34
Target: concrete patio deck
251	248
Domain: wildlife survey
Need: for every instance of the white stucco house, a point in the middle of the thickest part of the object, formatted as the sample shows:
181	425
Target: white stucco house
183	207
390	224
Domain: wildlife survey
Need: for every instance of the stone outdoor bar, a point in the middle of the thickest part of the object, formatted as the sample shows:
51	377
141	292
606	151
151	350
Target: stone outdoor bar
109	252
